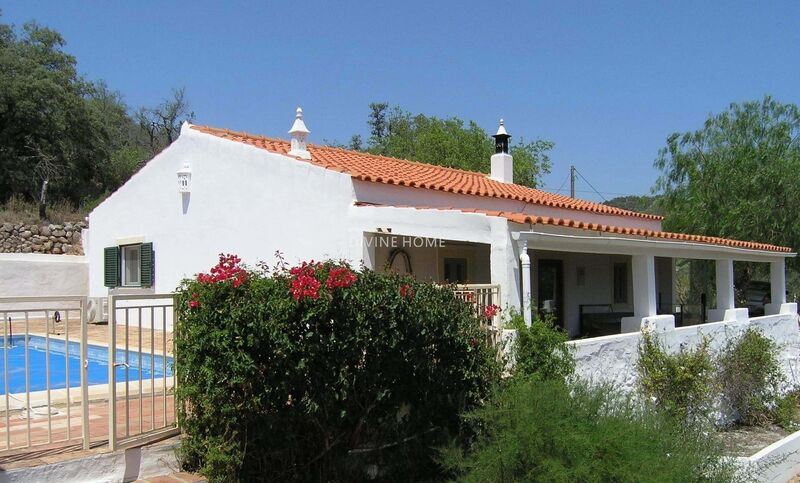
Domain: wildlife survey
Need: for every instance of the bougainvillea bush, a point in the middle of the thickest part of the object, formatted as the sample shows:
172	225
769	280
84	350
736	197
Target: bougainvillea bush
323	373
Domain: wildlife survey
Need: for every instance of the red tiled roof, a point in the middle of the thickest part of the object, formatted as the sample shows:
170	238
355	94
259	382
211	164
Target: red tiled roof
621	230
380	169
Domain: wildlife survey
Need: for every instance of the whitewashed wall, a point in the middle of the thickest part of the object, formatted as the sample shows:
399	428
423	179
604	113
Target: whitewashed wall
34	274
251	202
37	274
404	196
612	359
243	200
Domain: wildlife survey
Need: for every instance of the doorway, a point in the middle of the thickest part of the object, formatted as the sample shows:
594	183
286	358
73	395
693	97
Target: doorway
550	292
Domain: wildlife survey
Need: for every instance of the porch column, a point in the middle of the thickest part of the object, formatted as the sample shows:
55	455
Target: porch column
525	299
726	301
777	284
777	278
643	268
644	285
725	297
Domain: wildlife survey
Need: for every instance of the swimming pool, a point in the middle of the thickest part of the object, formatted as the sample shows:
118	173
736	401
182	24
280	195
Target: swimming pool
62	354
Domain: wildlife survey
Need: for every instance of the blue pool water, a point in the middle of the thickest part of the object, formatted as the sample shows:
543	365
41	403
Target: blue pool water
61	354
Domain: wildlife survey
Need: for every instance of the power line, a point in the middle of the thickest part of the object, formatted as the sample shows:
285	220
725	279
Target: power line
593	190
563	183
590	185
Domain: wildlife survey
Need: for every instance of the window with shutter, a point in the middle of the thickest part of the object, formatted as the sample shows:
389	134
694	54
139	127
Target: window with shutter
131	265
146	264
111	266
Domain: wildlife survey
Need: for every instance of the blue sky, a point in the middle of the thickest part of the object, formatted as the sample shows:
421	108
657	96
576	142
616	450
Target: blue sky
607	82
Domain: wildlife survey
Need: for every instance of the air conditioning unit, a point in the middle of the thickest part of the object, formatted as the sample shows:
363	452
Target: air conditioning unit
97	310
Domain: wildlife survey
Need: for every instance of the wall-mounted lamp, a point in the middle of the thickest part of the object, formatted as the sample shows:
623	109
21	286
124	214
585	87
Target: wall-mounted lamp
185	179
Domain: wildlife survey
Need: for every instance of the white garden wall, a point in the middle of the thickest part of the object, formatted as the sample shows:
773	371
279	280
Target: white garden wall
37	274
34	274
612	359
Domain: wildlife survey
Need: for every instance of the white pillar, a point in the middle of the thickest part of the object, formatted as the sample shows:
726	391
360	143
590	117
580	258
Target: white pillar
644	285
525	262
643	268
726	301
725	296
777	282
777	278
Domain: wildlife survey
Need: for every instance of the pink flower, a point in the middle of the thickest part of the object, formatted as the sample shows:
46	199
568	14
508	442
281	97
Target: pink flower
305	286
490	311
304	282
194	302
406	291
340	277
228	268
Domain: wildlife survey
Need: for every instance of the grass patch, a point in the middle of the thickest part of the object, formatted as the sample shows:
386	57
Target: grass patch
18	210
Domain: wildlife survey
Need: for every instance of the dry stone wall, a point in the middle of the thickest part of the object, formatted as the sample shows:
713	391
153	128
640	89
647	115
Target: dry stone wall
35	238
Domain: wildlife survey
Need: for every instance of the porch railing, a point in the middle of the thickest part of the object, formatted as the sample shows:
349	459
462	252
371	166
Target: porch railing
483	296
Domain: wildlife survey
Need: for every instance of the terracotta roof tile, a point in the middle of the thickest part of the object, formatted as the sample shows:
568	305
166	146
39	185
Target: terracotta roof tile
522	218
381	169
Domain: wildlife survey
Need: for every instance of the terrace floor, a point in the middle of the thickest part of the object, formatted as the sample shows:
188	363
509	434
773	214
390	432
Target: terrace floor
61	432
152	416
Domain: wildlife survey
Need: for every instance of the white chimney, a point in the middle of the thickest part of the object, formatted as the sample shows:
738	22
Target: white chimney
299	133
502	162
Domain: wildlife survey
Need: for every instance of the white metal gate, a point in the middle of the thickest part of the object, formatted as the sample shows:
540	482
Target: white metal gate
69	384
141	408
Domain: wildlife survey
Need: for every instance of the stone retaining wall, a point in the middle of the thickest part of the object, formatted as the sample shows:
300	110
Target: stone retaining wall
35	238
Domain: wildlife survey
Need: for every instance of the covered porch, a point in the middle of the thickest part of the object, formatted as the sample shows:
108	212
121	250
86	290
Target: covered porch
593	284
593	279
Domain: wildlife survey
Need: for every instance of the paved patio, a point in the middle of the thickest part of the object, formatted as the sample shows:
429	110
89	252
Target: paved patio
151	416
66	428
175	478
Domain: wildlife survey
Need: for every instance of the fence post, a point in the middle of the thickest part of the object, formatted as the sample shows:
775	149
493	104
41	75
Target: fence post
84	368
112	373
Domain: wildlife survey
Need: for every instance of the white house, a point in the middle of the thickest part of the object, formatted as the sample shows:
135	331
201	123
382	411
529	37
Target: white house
215	190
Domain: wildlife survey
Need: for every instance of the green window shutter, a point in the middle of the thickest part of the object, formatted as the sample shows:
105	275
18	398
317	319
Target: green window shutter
146	264
111	266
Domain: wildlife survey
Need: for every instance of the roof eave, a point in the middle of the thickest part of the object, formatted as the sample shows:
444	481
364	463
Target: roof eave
636	244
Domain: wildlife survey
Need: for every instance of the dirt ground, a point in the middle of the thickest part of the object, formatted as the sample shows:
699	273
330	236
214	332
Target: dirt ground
748	440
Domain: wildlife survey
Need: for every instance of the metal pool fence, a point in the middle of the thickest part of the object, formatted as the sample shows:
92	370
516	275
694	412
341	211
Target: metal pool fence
70	384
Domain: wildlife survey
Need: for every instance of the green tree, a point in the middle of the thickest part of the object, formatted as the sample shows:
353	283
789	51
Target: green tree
736	177
641	204
63	137
450	142
162	124
48	134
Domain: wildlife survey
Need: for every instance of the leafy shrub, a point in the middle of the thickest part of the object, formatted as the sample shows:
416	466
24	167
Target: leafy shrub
750	376
540	350
787	411
323	373
537	430
681	384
